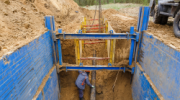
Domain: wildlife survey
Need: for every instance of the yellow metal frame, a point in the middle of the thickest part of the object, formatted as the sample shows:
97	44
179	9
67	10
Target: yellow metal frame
106	31
77	51
112	51
78	43
84	31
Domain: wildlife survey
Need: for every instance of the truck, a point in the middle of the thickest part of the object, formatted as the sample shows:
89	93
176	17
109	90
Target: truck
161	10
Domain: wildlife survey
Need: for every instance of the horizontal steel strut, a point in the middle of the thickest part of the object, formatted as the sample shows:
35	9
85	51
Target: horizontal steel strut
124	69
94	58
97	36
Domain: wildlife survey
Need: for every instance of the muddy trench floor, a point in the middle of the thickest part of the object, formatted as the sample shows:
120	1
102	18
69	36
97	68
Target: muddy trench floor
104	83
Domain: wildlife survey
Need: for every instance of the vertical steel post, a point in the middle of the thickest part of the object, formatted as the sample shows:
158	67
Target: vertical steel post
60	51
140	34
132	47
93	80
53	39
59	48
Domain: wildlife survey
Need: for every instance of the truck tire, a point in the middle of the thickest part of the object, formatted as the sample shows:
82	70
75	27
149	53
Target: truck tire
156	16
164	20
176	25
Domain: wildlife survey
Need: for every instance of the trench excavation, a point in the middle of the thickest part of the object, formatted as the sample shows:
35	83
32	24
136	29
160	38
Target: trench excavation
104	83
109	85
26	61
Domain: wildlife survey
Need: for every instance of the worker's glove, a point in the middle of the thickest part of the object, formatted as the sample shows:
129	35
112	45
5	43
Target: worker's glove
92	86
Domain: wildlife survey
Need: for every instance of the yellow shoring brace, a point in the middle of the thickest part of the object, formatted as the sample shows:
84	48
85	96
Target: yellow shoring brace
106	31
77	51
114	48
82	28
85	24
84	31
111	52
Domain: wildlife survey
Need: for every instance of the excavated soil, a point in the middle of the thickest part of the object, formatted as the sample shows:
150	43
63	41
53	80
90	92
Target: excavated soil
21	21
165	34
104	83
162	32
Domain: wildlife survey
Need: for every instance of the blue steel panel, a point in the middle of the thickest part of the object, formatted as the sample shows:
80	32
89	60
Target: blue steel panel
47	22
40	97
139	19
145	16
141	88
25	69
162	64
51	89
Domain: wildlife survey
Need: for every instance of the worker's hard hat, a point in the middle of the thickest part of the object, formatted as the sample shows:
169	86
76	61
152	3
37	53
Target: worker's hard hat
87	71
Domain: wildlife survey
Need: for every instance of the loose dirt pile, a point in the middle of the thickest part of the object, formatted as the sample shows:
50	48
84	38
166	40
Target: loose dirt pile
19	24
21	21
163	32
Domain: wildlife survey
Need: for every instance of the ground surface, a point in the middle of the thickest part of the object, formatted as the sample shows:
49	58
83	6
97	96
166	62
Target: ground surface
21	21
162	32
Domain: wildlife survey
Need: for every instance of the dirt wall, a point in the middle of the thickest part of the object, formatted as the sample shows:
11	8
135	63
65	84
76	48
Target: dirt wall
21	21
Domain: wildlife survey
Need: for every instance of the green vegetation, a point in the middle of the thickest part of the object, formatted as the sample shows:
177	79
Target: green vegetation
116	6
93	2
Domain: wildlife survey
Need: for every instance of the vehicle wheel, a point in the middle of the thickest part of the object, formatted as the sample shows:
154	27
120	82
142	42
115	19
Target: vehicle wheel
176	25
164	20
156	17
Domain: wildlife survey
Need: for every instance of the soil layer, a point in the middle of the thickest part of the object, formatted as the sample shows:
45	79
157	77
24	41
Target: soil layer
104	83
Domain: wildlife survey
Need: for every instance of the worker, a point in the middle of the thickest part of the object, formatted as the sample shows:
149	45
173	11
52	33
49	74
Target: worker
81	82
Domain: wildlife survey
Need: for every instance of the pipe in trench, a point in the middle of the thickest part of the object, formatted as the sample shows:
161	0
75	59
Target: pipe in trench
93	80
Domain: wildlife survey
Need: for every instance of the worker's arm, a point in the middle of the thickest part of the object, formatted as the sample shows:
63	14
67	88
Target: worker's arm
88	83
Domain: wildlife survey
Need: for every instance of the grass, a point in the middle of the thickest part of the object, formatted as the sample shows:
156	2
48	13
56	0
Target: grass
116	6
